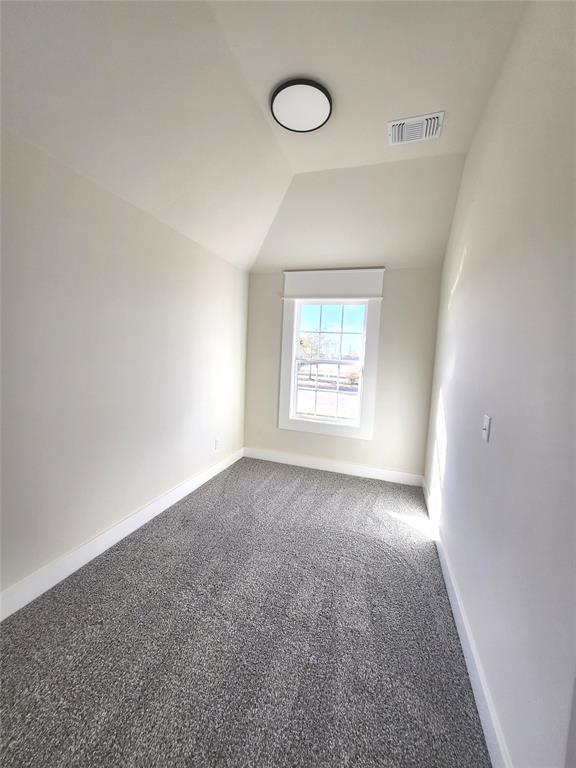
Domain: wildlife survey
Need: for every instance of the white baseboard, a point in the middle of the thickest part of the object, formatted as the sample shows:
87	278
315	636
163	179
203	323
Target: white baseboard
493	732
425	492
330	465
23	592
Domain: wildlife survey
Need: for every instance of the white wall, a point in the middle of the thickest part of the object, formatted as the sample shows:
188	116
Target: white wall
123	359
408	331
506	509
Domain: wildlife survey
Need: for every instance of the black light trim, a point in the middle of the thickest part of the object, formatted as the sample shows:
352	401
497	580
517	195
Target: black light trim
301	81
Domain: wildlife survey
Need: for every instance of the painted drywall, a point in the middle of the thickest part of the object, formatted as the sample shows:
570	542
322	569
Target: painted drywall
505	348
166	104
381	61
365	216
407	335
123	359
146	99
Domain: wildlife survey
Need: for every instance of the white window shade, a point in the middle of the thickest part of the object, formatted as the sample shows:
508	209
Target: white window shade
334	284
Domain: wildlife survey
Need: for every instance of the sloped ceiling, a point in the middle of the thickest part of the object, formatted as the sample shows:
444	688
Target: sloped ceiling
165	104
381	61
392	214
146	99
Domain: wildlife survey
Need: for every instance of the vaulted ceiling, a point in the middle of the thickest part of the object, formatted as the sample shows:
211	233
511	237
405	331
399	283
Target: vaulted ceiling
165	104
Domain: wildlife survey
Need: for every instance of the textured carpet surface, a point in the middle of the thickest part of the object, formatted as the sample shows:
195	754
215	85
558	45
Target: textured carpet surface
277	616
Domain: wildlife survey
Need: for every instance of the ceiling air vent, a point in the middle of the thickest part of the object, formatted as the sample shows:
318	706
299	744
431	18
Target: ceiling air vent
415	128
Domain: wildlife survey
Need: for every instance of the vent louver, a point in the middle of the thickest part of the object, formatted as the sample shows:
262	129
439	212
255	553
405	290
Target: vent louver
420	128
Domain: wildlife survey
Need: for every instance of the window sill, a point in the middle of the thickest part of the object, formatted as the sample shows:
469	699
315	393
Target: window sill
326	428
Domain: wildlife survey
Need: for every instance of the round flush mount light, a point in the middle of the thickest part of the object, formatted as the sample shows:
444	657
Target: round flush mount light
301	105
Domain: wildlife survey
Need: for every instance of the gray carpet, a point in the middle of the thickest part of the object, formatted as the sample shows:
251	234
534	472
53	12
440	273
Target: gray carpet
276	617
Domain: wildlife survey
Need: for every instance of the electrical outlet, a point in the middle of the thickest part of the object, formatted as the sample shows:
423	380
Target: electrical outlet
486	424
216	443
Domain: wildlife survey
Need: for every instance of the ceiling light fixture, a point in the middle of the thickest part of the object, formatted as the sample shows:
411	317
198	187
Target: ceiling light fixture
301	105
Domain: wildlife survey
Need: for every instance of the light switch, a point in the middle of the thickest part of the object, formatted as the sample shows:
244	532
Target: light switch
486	422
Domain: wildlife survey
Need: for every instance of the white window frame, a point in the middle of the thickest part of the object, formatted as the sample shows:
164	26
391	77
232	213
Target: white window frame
287	417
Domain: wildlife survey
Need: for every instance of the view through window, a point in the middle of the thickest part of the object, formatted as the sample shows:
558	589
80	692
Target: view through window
329	358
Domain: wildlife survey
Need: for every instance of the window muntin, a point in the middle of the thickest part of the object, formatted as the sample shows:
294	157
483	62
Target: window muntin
330	340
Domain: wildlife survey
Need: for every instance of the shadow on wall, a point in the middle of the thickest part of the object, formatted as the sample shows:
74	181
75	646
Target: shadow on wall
437	470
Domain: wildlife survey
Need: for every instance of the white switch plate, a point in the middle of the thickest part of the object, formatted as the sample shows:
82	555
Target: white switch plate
486	424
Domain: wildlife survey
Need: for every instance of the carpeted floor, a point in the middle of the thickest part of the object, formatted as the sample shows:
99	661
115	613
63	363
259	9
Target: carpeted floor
276	617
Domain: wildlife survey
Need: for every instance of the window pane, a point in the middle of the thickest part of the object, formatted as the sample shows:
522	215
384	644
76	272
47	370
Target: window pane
327	377
331	317
331	388
354	318
329	346
308	344
351	346
310	317
348	406
349	379
326	403
307	375
305	401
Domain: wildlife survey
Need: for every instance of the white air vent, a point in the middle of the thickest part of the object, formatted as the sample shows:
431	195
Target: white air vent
415	128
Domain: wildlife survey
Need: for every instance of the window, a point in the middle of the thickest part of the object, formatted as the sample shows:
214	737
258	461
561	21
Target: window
329	358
